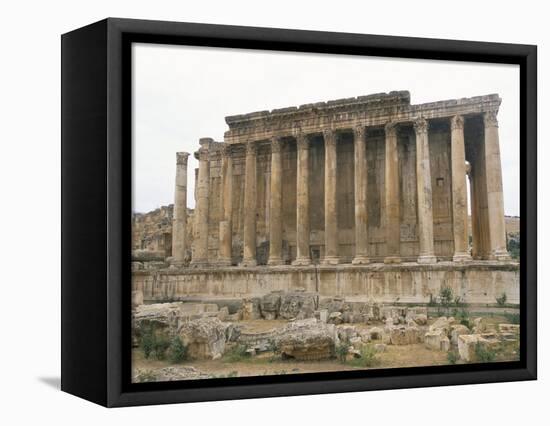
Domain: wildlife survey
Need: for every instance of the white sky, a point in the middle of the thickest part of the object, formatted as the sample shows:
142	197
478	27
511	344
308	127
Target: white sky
184	93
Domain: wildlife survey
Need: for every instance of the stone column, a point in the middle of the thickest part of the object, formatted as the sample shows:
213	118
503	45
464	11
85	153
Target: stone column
393	231
424	194
360	186
302	201
200	252
460	197
249	238
495	199
275	205
473	209
179	223
226	205
331	219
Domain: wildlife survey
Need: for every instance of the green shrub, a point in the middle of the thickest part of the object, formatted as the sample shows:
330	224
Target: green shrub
368	357
161	345
452	357
446	296
236	354
501	301
342	351
484	353
511	317
147	342
178	351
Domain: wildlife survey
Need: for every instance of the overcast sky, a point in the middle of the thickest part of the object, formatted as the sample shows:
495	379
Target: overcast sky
184	93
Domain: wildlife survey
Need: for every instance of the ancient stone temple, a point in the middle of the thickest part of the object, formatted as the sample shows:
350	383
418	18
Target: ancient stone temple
364	197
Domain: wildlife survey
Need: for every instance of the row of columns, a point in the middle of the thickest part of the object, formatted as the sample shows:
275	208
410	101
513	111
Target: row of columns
392	197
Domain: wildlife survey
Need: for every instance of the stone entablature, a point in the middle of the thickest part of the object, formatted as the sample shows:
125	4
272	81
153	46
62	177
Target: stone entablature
368	179
345	114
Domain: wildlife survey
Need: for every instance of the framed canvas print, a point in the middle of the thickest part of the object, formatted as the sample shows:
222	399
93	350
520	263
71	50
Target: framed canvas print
253	212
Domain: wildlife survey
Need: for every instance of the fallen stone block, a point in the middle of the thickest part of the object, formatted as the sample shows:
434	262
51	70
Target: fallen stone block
204	338
307	341
298	305
458	330
433	339
270	305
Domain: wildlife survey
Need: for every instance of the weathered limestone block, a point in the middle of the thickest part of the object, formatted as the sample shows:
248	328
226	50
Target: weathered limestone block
137	298
442	323
322	315
298	305
160	318
307	340
456	331
404	335
270	305
466	346
346	333
250	310
204	338
508	328
335	318
436	340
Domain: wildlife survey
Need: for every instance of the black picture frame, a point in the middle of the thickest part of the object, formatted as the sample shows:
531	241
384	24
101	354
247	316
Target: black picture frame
96	207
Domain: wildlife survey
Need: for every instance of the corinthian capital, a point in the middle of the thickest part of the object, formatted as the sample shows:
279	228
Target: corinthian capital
181	158
391	128
329	137
276	144
457	122
421	126
203	154
302	141
226	150
490	119
250	148
359	132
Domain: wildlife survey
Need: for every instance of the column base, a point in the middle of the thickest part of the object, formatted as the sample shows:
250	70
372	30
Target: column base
462	257
360	260
330	260
247	263
199	263
176	264
392	259
275	261
301	261
500	256
223	262
426	259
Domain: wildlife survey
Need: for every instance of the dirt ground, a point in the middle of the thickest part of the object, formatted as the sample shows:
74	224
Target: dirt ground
271	364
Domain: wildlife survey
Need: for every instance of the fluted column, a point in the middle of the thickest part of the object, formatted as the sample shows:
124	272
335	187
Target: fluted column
302	201
393	231
331	219
473	209
460	198
495	198
249	238
200	252
424	194
226	204
360	184
275	205
179	223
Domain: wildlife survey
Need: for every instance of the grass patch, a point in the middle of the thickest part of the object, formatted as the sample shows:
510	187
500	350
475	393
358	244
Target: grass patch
484	353
368	358
236	354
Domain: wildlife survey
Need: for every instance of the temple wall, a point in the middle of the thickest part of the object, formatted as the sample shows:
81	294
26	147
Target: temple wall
478	283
